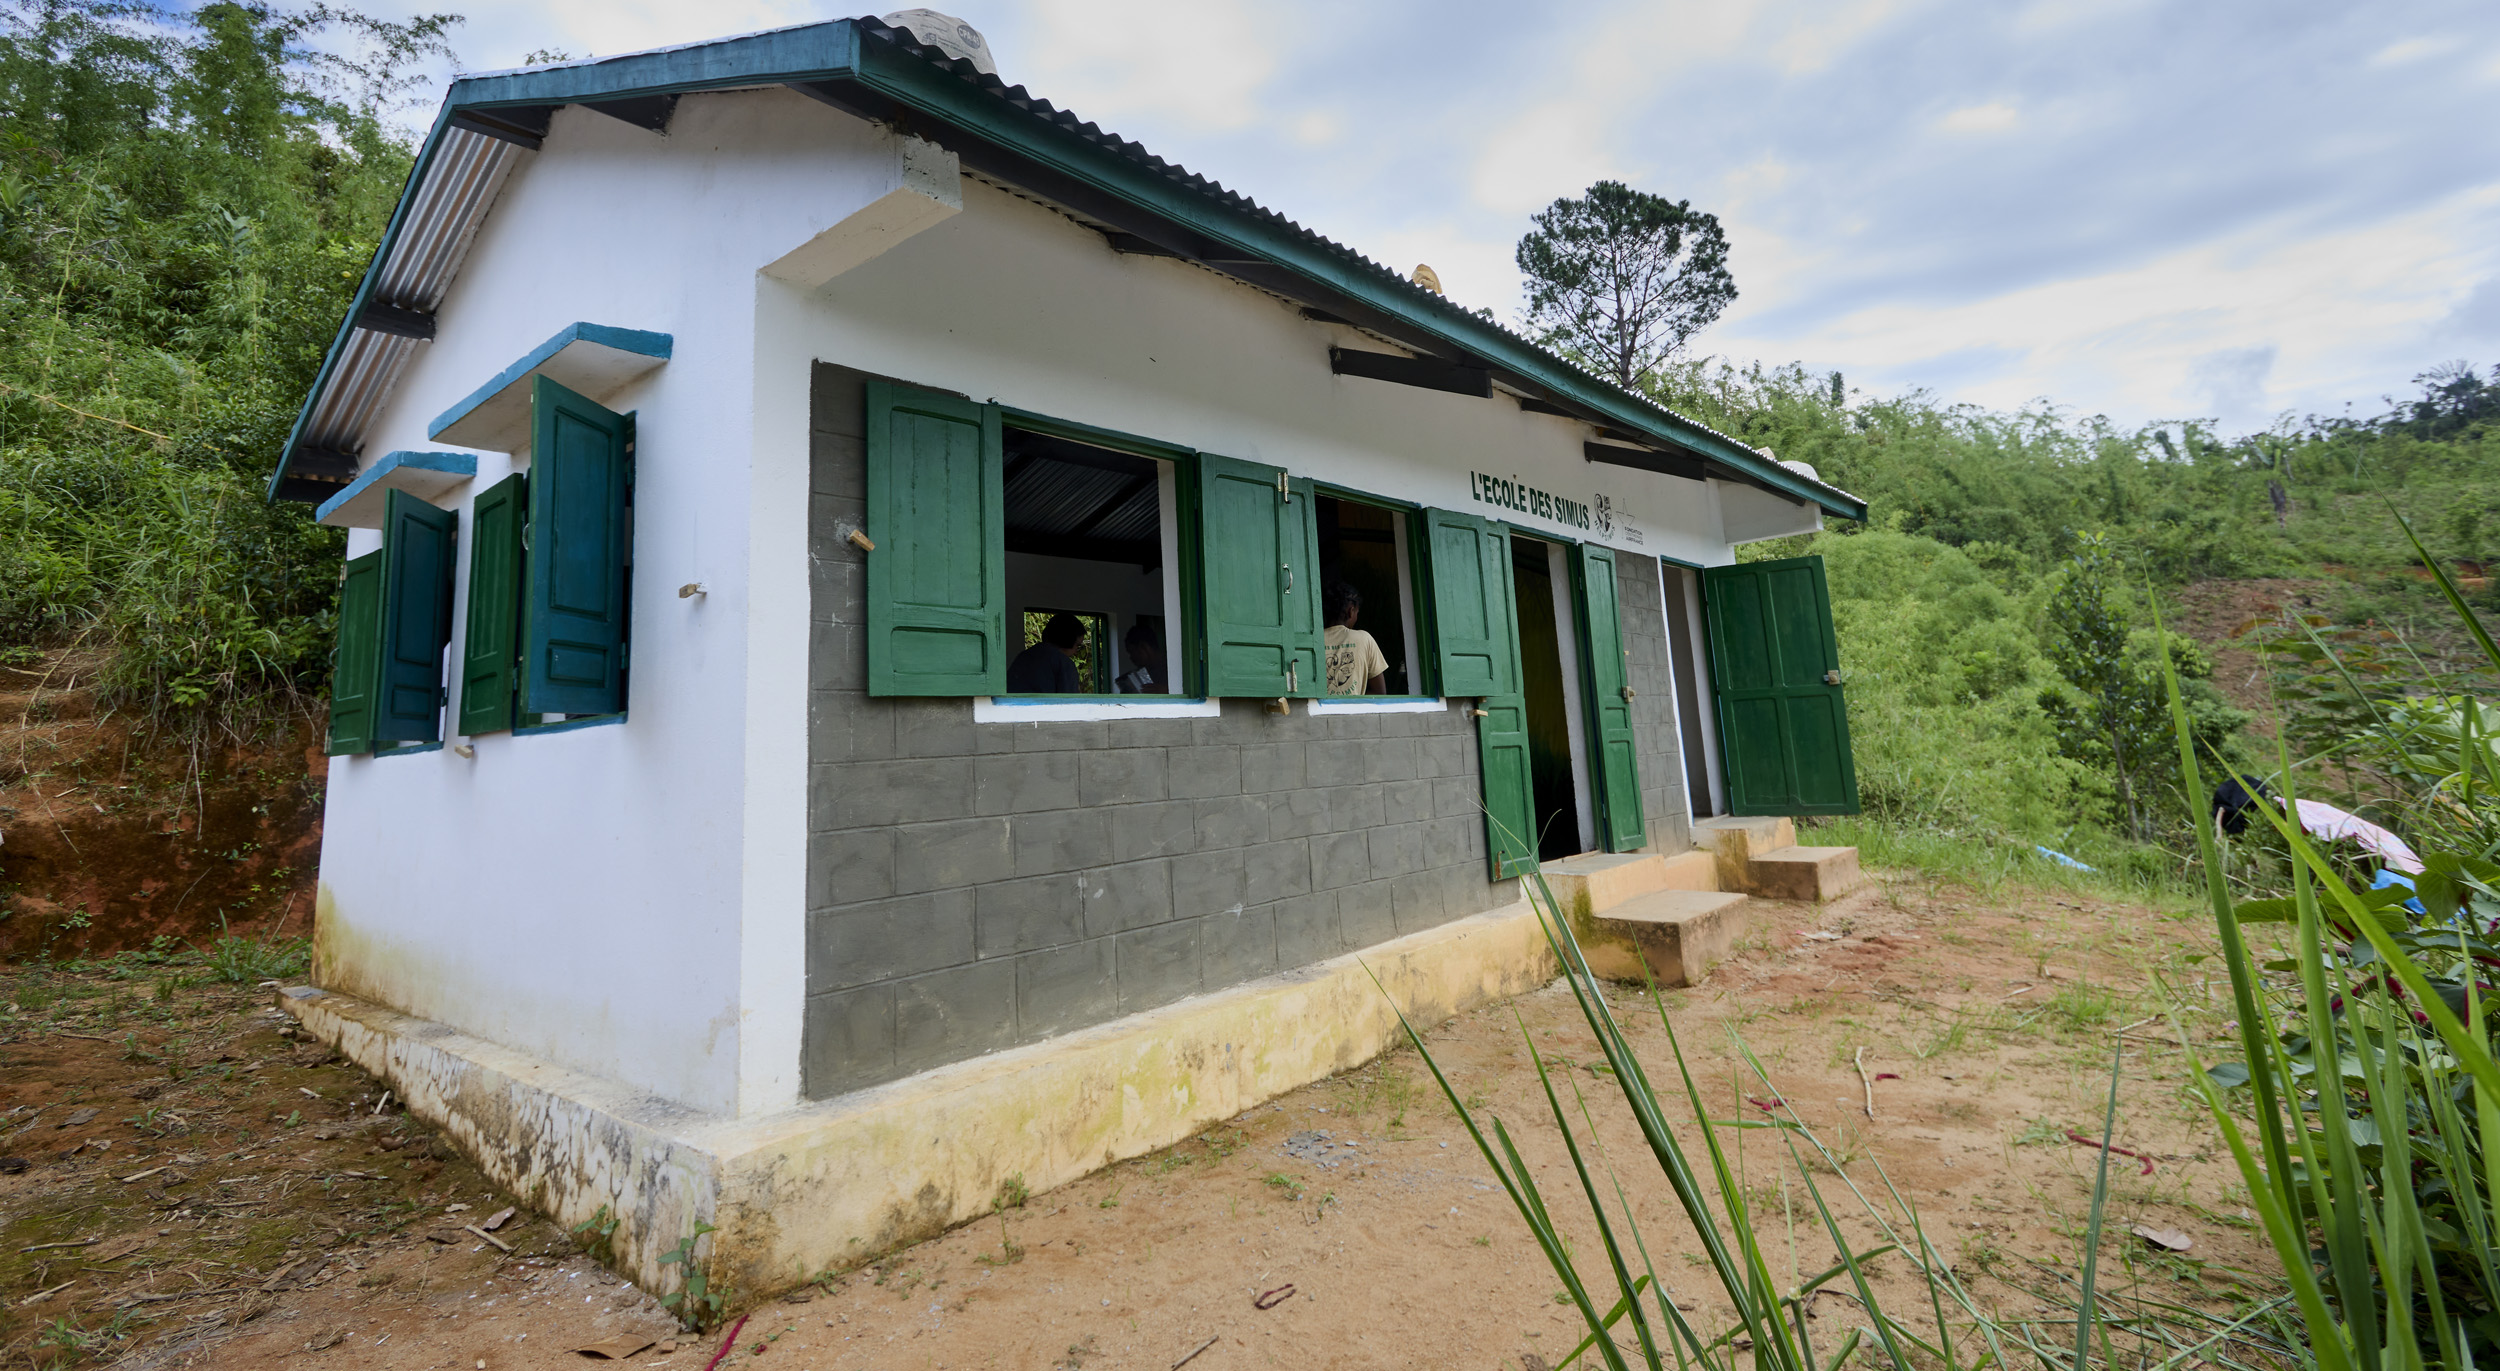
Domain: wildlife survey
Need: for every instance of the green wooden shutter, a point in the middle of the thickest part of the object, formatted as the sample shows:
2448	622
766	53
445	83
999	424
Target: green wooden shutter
937	512
1609	683
1475	626
1258	540
356	661
492	645
1473	619
1775	668
580	542
417	553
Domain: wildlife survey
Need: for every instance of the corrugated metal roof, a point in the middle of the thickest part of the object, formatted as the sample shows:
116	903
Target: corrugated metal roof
462	171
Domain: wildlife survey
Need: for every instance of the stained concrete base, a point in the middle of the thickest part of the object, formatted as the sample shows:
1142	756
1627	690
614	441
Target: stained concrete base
836	1183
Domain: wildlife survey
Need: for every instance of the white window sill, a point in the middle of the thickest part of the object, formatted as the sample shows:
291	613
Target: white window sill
1003	710
1378	704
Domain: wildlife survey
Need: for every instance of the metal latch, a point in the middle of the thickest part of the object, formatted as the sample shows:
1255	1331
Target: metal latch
1627	694
1831	677
1293	678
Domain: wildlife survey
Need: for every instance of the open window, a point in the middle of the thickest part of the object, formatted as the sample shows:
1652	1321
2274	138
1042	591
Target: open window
1365	566
1091	539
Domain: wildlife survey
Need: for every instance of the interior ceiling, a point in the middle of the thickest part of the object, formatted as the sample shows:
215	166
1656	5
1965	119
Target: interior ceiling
1070	499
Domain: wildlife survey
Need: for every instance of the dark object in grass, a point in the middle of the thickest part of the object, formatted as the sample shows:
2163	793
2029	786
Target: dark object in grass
2113	1148
1273	1297
14	1166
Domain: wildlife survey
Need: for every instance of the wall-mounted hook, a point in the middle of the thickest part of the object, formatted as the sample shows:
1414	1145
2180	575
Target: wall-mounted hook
691	589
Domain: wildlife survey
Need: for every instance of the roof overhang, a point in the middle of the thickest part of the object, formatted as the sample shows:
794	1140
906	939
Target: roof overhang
489	122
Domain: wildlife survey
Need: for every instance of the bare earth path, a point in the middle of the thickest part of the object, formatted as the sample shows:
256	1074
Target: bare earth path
255	1210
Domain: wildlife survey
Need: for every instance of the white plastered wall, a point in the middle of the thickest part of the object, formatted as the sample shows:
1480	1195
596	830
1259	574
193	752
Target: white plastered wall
627	900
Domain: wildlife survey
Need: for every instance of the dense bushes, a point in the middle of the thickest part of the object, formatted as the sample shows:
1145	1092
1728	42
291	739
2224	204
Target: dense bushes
185	206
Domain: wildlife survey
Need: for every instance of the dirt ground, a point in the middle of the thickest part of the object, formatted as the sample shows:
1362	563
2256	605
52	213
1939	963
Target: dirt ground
198	1188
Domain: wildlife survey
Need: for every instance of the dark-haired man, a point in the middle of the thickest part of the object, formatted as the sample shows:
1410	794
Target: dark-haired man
1356	665
1049	666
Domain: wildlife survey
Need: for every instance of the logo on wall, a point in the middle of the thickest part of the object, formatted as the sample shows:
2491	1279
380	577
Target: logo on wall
1604	514
1515	494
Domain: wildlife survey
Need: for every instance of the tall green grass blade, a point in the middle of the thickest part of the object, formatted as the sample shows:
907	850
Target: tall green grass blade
2448	587
2244	989
1597	1208
2084	1319
1613	1316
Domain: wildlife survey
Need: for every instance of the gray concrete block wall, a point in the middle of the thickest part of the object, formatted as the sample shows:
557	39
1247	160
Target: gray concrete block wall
1657	751
973	887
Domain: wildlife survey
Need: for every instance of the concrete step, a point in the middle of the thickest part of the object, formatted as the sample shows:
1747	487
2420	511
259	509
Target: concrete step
1671	936
1599	881
1805	873
1736	841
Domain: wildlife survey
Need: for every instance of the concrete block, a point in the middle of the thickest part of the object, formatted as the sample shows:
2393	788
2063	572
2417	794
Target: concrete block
1059	737
1197	773
942	856
1234	821
1120	776
1448	755
1672	936
1598	880
888	939
1406	802
837	654
1276	871
848	1040
1208	882
829	726
1367	915
1022	916
859	794
1131	895
1396	849
1062	840
1154	830
1334	762
1299	814
1458	796
1306	929
1340	859
849	867
1064	988
932	727
1022	782
1805	873
1272	766
1234	948
1390	759
1450	842
949	1015
1416	902
1157	965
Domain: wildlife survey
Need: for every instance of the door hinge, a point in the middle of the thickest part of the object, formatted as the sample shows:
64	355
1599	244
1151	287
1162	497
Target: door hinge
1284	488
1293	678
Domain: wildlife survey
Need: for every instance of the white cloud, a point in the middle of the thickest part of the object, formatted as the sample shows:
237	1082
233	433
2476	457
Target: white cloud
1993	117
1552	150
1202	65
2410	50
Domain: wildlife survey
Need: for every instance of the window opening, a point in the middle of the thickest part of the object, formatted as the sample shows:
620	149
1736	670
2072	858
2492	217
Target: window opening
1542	596
1363	549
1092	535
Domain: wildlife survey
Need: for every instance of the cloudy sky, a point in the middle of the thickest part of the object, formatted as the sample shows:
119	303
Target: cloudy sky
2152	211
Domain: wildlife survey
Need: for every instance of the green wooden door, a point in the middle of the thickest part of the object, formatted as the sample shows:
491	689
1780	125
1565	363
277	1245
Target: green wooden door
937	512
1475	622
1775	668
1609	691
1258	540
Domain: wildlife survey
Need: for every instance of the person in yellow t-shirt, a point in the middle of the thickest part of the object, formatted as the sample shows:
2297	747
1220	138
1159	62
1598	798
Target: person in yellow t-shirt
1355	663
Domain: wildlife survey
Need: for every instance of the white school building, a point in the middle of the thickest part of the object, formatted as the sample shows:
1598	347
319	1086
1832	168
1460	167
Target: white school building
716	425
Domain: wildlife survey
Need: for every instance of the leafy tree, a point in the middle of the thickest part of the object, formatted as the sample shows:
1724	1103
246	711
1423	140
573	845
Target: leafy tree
1623	278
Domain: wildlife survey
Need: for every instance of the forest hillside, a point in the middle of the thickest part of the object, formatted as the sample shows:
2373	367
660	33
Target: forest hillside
185	210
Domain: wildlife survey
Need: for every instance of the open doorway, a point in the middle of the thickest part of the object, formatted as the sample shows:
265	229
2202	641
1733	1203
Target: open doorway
1549	675
1091	536
1695	727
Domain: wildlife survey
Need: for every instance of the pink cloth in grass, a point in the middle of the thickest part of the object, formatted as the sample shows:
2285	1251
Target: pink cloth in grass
2326	821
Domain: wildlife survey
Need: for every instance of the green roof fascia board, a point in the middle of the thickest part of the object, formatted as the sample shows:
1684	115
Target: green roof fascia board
805	52
907	79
